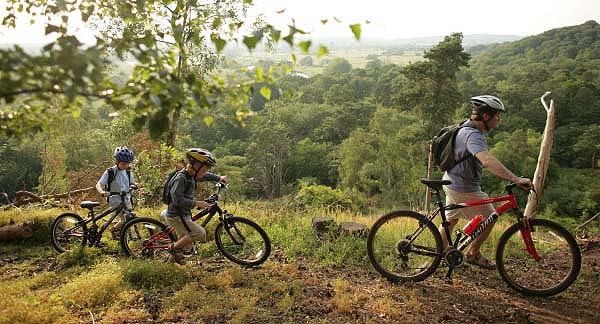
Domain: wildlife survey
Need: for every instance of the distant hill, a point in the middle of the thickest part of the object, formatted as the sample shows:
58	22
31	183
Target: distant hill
564	61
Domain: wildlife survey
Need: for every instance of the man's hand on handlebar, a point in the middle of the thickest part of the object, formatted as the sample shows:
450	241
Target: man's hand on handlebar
524	183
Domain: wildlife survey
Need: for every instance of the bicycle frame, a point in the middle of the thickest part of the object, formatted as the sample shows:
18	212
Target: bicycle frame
511	204
93	231
211	211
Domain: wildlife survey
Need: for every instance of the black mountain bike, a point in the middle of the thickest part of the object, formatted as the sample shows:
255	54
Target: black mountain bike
534	256
239	239
69	229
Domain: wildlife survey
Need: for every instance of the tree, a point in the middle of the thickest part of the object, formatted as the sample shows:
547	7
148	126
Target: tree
338	65
431	86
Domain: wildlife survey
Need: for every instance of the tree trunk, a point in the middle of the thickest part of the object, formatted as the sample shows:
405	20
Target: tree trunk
543	158
16	231
429	173
172	135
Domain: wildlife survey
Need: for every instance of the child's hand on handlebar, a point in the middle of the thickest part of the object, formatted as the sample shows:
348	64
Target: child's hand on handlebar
201	204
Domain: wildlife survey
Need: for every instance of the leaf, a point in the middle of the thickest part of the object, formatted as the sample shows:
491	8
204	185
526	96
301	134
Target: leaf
323	50
250	42
208	120
324	21
52	29
259	74
289	39
304	46
356	30
266	92
218	41
275	34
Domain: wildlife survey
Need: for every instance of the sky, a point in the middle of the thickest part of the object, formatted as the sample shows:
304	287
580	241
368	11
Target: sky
391	19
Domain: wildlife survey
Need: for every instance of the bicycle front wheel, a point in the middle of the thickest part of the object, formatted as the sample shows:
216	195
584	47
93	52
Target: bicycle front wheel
242	241
146	238
404	246
549	265
67	231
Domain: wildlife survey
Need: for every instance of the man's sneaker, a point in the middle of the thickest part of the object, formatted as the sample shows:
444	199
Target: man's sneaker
175	255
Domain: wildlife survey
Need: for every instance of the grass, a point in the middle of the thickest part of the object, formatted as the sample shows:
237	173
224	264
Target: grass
40	286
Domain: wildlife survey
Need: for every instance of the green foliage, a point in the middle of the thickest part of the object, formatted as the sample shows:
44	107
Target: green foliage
82	257
312	195
170	46
20	166
151	275
338	65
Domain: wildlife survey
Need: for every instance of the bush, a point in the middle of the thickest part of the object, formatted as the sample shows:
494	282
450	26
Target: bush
313	195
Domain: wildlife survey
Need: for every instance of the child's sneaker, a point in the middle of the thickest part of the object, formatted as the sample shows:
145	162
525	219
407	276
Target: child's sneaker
175	255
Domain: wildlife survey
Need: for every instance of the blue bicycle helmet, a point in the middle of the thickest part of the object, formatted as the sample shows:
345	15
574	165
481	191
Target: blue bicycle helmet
123	154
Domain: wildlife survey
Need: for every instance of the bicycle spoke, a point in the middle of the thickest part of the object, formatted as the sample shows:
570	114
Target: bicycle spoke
558	264
398	258
242	241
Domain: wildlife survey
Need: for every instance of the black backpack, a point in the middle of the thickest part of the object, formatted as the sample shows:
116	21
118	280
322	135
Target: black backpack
166	195
442	147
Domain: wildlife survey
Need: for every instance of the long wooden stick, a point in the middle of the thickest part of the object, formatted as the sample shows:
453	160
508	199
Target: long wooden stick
543	159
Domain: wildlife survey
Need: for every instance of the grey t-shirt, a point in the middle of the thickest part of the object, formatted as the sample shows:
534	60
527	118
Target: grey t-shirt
466	176
120	183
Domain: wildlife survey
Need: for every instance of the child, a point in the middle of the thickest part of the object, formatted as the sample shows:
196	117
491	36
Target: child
116	179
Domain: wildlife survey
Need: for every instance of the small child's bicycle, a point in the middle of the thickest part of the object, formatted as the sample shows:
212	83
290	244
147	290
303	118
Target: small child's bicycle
239	239
534	256
69	229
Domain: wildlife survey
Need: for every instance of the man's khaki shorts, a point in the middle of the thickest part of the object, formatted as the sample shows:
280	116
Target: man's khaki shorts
456	197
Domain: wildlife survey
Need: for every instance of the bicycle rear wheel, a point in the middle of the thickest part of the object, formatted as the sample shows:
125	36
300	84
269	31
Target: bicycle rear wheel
67	231
402	246
242	241
146	238
555	270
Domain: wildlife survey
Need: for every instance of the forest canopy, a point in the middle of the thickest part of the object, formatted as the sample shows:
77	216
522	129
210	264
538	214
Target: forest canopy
359	135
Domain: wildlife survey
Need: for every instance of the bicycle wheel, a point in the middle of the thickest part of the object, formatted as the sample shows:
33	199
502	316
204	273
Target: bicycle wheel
146	238
555	270
68	231
242	241
402	246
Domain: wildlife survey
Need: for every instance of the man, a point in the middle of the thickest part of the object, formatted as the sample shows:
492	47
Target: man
466	176
182	190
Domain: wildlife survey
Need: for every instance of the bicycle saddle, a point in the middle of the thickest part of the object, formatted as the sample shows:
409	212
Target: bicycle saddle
435	184
89	204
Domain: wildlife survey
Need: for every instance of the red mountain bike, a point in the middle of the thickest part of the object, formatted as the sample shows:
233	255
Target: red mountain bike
238	239
534	256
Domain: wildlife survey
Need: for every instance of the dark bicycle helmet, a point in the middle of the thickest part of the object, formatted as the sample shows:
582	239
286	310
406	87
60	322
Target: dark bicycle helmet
200	155
487	104
123	154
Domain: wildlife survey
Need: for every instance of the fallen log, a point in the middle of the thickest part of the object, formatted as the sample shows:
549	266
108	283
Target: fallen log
16	231
27	197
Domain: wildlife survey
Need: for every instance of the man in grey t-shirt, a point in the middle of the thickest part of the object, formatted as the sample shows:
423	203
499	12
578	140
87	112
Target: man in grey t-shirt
466	176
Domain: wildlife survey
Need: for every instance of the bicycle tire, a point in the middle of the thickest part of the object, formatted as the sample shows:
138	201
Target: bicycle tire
146	238
557	269
66	231
242	241
394	257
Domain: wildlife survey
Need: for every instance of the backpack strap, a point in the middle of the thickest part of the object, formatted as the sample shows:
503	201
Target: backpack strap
464	158
111	178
